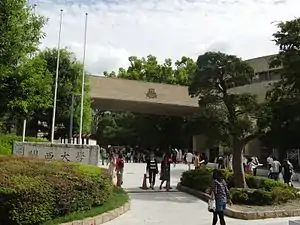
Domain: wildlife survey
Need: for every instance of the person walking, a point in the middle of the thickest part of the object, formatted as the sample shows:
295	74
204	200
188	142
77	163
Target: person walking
197	161
120	169
288	171
112	165
275	169
152	170
165	172
189	159
256	164
221	195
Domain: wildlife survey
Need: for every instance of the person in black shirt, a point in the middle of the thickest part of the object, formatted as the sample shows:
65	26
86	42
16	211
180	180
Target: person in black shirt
152	169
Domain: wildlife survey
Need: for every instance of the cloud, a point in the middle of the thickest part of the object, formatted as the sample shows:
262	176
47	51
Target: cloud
164	28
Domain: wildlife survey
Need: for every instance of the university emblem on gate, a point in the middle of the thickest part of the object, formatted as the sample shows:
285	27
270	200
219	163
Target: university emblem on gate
151	93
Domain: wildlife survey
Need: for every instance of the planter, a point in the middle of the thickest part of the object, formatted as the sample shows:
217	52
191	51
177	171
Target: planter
241	214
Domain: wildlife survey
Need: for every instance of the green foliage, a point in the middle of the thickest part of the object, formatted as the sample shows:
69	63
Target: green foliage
119	198
283	109
33	79
148	69
24	84
20	31
7	142
215	75
70	76
36	191
260	191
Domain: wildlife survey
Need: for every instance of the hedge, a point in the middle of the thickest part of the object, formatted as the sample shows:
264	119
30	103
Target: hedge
33	191
260	191
7	142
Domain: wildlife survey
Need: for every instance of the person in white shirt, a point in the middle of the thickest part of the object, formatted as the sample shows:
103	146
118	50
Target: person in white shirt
256	164
270	162
276	169
189	159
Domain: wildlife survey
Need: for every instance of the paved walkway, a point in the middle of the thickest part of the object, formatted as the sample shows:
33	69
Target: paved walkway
170	208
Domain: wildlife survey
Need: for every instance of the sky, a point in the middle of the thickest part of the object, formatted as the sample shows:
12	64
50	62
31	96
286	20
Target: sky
118	29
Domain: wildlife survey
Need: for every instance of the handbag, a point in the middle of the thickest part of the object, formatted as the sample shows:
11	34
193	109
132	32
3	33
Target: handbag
211	203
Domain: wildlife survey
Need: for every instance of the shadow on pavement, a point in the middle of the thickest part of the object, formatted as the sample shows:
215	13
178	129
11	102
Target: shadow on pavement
163	196
139	190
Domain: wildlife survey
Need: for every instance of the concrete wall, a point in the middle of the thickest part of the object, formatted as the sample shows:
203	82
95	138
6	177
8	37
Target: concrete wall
86	154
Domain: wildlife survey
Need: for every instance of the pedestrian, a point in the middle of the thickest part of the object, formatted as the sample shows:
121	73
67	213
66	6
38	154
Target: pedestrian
275	169
288	171
120	169
221	163
165	172
249	169
256	164
152	169
221	195
112	165
269	163
189	159
103	155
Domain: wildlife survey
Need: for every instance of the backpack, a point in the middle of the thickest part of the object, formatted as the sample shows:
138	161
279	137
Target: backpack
120	164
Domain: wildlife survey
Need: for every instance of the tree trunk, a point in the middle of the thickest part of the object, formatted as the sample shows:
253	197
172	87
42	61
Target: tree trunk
238	168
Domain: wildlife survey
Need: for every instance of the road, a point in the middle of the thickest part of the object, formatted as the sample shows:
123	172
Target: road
170	208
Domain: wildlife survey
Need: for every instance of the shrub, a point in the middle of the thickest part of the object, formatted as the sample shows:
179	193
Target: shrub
33	191
7	142
197	179
260	191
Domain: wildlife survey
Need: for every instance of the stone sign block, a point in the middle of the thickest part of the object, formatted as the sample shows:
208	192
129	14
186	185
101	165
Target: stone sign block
295	222
86	154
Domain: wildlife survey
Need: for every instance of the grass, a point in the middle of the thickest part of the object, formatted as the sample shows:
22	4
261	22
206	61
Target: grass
119	198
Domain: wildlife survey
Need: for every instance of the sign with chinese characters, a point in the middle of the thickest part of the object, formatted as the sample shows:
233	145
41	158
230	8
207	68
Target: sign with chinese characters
151	93
65	152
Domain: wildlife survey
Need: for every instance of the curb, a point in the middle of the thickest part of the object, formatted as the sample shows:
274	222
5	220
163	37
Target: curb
103	218
240	214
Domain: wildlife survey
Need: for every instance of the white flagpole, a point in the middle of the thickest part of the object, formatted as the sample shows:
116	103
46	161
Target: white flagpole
56	77
83	76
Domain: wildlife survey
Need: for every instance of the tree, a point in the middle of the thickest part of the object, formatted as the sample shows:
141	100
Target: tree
283	108
210	122
20	35
70	75
30	90
216	73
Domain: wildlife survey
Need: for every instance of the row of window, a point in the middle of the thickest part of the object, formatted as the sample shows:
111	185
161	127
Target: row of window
266	76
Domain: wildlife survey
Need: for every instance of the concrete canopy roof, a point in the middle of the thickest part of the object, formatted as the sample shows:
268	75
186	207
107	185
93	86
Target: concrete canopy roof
117	94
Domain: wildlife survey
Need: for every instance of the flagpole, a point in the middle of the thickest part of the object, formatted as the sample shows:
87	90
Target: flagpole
83	76
56	77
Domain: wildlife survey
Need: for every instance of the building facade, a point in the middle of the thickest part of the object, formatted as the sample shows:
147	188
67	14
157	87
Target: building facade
154	98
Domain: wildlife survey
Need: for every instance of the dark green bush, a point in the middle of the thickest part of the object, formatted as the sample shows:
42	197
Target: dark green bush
197	179
260	191
33	191
7	141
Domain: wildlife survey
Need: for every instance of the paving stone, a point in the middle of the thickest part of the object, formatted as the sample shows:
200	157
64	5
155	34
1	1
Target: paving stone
171	208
